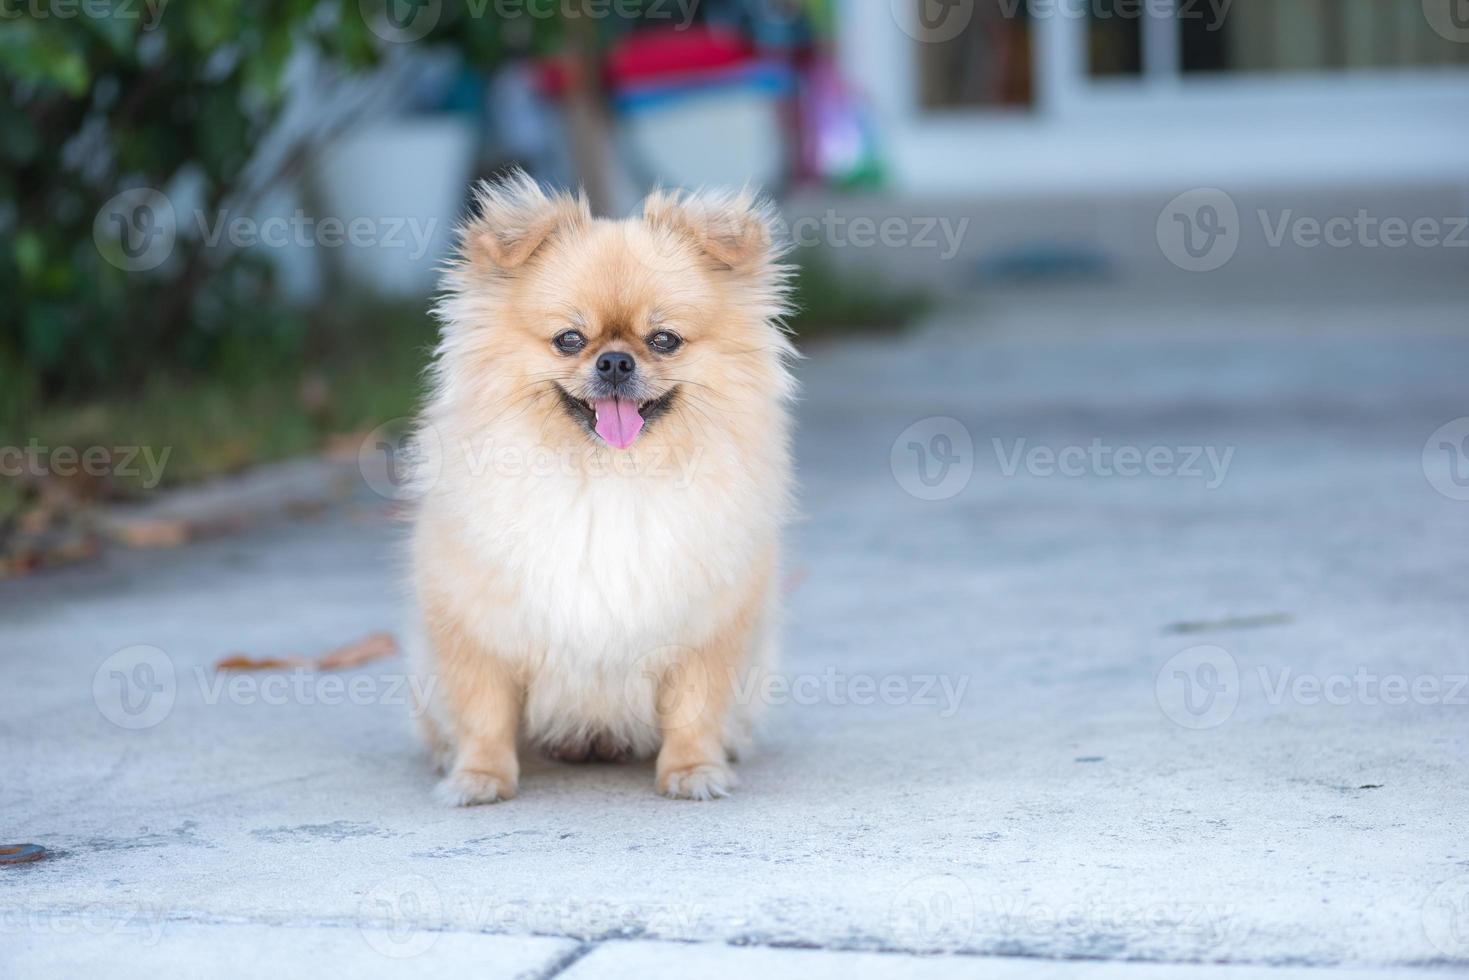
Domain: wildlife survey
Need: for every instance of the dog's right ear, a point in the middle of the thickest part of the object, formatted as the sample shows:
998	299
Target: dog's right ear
514	217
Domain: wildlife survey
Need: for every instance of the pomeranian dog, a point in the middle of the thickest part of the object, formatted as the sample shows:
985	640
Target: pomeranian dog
595	559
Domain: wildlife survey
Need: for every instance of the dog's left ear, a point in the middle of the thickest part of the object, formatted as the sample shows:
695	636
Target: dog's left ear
515	217
737	231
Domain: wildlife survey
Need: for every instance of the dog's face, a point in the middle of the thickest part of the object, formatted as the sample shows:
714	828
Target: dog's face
656	328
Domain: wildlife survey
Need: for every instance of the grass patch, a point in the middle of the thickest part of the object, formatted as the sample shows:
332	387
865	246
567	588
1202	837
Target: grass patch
829	303
359	372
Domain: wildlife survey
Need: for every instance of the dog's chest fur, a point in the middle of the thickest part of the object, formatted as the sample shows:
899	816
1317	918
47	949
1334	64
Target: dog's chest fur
591	583
601	567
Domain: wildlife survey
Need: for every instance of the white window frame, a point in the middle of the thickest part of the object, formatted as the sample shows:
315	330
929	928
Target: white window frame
1161	129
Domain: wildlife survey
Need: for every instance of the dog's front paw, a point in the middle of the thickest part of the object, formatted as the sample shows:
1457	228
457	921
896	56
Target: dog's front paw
470	787
704	781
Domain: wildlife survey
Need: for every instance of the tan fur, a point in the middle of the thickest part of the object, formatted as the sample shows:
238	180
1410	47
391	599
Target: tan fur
615	603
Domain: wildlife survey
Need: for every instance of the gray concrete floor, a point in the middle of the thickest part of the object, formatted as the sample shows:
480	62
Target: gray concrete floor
1045	725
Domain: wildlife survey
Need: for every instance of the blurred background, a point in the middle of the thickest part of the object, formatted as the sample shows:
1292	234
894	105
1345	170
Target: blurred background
220	221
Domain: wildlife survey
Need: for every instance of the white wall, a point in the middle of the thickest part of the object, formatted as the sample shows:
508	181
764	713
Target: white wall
1409	127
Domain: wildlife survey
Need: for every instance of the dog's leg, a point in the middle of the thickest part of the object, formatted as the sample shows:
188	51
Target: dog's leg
435	739
693	700
484	698
696	697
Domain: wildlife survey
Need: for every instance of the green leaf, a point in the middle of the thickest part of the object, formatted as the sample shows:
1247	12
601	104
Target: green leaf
30	254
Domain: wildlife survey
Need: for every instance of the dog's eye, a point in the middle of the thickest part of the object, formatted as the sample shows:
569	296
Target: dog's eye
665	341
569	342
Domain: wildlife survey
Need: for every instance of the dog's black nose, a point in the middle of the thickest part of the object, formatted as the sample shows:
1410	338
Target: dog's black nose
615	367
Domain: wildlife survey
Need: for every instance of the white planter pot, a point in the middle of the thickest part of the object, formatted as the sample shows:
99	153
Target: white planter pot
403	183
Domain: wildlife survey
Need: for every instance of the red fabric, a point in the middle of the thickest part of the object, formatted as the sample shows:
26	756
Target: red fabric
659	55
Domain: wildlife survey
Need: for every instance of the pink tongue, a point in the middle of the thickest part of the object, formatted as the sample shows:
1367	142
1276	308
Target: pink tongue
618	421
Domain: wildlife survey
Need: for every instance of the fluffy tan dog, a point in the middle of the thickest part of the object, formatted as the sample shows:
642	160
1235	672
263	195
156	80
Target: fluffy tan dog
595	557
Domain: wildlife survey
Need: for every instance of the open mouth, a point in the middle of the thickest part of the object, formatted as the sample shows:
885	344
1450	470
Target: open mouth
617	421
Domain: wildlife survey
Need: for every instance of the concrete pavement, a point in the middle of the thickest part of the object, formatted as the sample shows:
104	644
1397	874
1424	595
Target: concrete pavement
1119	634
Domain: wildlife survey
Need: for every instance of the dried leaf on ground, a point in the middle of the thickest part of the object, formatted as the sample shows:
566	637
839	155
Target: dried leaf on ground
374	646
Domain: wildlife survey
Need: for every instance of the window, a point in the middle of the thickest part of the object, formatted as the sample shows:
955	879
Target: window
988	63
